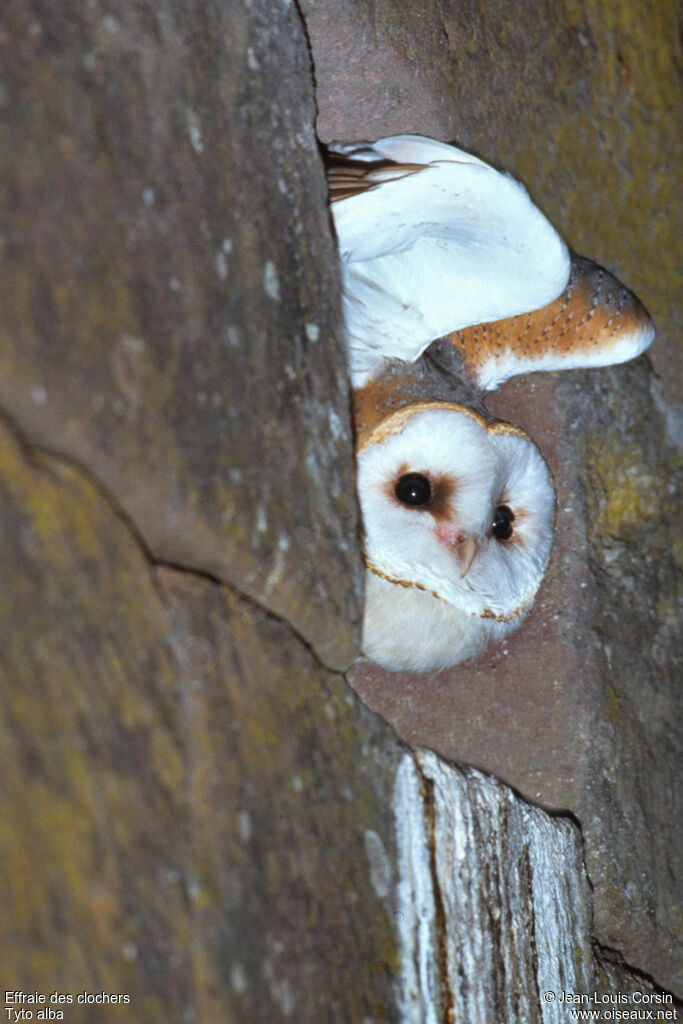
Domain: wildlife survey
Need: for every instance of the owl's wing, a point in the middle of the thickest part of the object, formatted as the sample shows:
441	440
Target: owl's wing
432	240
596	321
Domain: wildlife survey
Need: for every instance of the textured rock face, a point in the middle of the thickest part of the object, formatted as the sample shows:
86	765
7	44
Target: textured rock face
580	103
494	906
165	229
181	783
197	812
578	709
169	331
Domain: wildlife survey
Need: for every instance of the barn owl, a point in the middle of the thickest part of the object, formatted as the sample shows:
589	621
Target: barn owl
453	281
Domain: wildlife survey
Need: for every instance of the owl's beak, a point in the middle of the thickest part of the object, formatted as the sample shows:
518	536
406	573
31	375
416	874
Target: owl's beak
467	549
462	544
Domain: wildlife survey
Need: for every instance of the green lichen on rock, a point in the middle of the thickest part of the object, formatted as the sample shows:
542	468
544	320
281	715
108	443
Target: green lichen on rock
158	285
287	774
190	791
632	479
628	490
90	743
580	101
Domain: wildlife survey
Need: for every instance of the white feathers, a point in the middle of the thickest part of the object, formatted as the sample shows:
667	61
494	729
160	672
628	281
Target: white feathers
443	246
500	367
449	448
426	607
411	630
405	149
457	509
596	321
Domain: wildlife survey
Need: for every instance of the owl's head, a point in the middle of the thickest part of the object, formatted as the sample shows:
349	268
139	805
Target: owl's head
453	282
457	506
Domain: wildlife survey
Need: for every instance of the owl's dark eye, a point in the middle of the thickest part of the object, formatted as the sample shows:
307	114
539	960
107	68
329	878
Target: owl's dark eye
413	489
501	527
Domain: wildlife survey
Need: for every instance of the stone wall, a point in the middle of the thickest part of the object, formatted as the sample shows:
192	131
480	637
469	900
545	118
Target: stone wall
197	810
578	710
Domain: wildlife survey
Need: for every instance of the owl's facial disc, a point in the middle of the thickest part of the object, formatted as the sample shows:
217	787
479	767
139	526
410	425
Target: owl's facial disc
459	507
420	492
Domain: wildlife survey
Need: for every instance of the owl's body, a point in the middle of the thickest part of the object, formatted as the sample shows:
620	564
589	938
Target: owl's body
412	630
432	240
458	513
453	282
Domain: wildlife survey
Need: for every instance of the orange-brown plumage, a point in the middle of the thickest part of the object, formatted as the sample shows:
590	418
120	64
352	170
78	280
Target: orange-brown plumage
585	325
